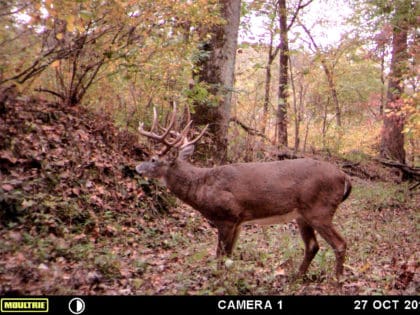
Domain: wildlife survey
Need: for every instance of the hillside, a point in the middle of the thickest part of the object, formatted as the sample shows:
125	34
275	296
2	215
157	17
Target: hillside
66	183
75	219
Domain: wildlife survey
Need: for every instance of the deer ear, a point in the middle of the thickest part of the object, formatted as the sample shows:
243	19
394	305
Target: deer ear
186	152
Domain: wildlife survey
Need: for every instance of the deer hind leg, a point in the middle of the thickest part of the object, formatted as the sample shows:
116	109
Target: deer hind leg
336	241
227	235
311	245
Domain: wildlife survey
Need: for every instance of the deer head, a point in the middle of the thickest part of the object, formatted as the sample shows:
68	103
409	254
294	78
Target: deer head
169	139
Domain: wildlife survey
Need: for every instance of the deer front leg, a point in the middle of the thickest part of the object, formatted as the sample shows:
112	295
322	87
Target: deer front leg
227	235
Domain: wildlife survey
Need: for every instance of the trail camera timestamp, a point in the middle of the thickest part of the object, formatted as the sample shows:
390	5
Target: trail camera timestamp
391	304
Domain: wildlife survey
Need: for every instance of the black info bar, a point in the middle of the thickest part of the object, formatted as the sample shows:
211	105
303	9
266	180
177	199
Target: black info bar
90	305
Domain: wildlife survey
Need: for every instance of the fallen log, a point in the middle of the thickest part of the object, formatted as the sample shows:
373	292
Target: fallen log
409	173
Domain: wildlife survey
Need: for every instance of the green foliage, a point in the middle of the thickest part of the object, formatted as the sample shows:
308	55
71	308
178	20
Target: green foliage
108	265
374	14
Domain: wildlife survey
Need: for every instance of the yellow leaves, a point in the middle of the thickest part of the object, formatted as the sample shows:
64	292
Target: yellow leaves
75	22
80	28
70	23
407	110
55	64
411	110
365	267
406	130
59	36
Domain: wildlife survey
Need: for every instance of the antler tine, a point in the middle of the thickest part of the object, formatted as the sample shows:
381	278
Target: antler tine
189	142
150	134
147	133
183	135
178	137
171	124
155	124
188	113
155	119
184	132
164	150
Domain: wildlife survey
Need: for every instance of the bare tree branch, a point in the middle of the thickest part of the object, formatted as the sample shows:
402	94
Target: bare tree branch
15	11
250	130
300	6
328	73
51	92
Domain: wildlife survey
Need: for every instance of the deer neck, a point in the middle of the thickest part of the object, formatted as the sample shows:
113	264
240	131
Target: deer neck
183	179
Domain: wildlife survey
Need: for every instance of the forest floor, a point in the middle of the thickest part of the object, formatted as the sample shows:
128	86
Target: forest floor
75	219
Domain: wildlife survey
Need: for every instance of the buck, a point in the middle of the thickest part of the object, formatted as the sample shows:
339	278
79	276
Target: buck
233	195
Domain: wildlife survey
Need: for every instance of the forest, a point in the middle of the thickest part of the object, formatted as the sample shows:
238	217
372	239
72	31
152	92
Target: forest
85	84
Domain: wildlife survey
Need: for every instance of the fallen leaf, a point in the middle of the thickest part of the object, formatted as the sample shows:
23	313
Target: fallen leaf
365	267
43	266
228	263
8	156
7	187
27	203
280	272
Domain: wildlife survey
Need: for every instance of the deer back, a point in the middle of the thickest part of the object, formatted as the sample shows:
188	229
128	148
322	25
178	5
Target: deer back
248	191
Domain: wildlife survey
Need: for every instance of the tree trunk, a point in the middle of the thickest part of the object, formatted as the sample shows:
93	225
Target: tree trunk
306	135
217	70
302	93
283	47
329	74
272	53
392	141
296	114
382	100
333	91
283	77
324	123
267	86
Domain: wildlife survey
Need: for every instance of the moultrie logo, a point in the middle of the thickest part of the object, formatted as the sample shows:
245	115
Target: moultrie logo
24	305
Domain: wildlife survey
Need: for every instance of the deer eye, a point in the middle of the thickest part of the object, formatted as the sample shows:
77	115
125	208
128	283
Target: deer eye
153	160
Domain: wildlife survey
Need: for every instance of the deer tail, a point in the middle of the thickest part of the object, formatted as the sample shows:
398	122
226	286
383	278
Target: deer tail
347	188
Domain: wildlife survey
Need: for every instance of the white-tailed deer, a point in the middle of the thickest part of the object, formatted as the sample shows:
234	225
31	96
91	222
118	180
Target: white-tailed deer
246	193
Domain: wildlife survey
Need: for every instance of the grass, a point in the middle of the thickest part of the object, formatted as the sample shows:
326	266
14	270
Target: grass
175	253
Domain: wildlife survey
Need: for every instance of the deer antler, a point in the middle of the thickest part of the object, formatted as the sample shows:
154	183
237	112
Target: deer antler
187	142
170	138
